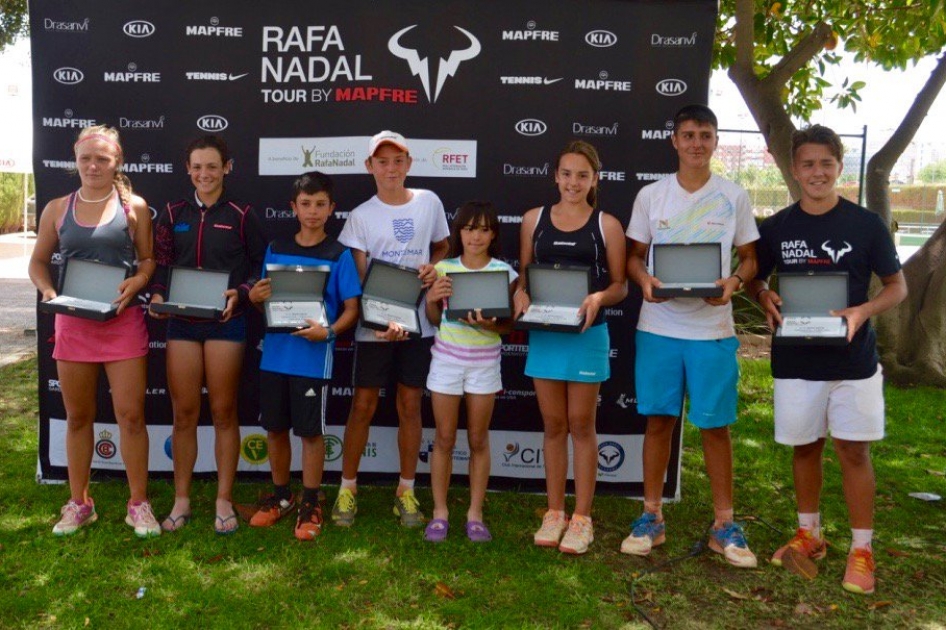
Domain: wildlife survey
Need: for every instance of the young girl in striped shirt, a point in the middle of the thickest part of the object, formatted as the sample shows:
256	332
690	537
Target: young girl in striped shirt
464	362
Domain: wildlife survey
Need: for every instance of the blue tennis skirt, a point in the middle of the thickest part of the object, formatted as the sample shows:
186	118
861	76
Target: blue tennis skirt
562	356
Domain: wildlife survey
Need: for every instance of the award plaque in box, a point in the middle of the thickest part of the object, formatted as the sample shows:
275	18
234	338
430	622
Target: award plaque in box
197	293
486	291
297	296
391	294
87	289
556	292
687	270
807	299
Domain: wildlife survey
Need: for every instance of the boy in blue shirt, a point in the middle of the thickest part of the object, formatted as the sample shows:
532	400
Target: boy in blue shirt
296	367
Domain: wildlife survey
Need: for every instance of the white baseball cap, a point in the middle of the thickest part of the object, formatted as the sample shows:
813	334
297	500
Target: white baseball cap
387	137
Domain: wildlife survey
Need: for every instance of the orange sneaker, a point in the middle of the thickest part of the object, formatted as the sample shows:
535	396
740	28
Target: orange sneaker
859	576
309	523
271	510
804	543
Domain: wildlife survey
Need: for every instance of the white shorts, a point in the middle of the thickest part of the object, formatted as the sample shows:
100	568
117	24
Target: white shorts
806	411
446	377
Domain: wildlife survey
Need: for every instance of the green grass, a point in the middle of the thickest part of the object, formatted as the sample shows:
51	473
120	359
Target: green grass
377	575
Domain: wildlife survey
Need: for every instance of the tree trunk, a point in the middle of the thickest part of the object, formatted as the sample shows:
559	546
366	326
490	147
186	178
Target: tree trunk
912	336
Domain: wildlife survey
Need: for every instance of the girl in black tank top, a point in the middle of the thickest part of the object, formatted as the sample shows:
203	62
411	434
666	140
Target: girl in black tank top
568	368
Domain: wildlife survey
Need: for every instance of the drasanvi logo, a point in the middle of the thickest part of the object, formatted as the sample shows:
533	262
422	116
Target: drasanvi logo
601	39
60	26
138	29
68	76
531	127
672	41
212	123
420	66
671	87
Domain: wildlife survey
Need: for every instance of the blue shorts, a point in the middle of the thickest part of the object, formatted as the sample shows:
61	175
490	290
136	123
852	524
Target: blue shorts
562	356
707	370
200	331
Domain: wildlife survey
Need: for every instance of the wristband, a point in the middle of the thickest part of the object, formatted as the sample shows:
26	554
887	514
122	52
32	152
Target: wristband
739	278
330	334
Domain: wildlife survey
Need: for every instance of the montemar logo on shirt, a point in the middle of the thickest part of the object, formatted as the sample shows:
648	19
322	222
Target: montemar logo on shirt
403	229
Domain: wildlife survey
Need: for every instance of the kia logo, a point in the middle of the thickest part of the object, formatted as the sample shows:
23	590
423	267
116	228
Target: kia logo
531	127
68	76
138	28
671	87
601	39
212	123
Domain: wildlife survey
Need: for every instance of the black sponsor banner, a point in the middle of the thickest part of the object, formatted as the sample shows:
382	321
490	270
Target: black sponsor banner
487	93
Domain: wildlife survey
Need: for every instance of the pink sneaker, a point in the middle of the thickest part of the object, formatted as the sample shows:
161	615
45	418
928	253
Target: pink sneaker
141	517
859	576
74	516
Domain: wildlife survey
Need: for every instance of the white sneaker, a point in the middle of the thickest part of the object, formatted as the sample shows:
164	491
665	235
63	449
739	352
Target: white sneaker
580	534
74	516
554	525
142	519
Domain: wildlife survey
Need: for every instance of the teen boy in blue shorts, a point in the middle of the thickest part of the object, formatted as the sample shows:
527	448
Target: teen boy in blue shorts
836	389
296	367
689	344
406	226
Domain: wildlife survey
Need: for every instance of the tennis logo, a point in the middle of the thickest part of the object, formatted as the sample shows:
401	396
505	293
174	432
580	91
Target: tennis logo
610	456
403	230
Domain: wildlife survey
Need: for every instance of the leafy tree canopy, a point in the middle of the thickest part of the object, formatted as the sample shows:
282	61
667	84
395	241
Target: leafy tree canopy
14	21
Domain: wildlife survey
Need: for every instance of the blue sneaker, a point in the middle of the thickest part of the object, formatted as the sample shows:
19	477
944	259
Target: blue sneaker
730	541
646	533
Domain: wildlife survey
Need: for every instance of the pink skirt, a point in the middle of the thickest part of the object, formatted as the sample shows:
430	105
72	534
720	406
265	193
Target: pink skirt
88	341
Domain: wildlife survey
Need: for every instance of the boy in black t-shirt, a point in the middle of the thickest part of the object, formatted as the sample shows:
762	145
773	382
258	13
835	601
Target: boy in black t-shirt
836	389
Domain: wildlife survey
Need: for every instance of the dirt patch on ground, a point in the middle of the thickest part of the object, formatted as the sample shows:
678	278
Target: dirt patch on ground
752	346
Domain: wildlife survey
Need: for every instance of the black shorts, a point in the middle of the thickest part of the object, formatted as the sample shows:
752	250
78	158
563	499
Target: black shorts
376	361
200	331
296	402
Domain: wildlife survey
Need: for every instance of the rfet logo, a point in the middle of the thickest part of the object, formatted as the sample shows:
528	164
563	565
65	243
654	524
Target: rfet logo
105	448
68	76
138	28
420	66
212	123
531	127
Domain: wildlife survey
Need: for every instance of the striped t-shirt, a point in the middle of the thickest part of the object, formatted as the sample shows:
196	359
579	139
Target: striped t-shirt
458	342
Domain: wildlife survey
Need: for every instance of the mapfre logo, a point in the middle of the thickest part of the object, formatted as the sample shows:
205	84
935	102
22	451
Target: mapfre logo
603	83
531	127
132	76
658	134
59	26
69	121
671	87
214	30
420	66
530	35
212	123
68	76
138	29
601	39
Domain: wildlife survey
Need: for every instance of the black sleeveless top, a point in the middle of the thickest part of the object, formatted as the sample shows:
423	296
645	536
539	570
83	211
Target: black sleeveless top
584	246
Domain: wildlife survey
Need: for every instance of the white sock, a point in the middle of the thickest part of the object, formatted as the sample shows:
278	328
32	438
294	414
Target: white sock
811	522
407	484
350	484
861	538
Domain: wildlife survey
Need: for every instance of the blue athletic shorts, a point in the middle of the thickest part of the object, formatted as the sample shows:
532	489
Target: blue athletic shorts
706	370
564	356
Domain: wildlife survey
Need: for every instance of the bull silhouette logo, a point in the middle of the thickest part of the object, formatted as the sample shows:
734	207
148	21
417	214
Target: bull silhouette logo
836	254
420	66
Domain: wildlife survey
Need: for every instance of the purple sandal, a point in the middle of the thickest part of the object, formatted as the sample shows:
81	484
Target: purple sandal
436	530
476	531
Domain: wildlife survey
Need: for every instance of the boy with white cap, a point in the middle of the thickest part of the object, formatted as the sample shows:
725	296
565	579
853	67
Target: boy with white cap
406	226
